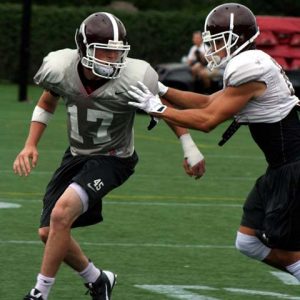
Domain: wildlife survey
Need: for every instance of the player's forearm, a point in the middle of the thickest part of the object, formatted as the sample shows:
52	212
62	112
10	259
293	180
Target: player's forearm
35	133
193	119
185	99
179	131
39	121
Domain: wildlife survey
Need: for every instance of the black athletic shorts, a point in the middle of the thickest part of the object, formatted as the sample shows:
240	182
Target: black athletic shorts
97	175
273	207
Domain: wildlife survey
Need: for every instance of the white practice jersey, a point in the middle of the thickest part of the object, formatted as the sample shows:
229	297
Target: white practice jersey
100	122
278	99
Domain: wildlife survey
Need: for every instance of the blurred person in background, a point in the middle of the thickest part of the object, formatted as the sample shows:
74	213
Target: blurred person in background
92	80
256	93
204	77
197	51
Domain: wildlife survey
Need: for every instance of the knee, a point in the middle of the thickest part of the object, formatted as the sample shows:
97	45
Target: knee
43	234
59	218
251	246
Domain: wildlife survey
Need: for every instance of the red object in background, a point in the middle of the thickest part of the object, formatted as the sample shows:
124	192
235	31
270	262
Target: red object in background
280	38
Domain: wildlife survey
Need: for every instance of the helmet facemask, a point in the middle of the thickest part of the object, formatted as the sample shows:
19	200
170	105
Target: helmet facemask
217	43
103	68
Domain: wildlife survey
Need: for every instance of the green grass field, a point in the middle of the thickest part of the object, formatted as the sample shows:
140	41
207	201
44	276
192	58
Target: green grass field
166	235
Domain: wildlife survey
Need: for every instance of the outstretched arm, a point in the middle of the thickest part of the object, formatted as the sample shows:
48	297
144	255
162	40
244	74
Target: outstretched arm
226	103
185	99
28	157
193	163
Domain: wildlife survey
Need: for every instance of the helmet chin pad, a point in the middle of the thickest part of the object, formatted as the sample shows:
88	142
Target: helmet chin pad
102	70
213	61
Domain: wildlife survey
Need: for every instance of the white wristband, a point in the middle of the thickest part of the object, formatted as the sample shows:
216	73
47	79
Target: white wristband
41	115
162	89
190	150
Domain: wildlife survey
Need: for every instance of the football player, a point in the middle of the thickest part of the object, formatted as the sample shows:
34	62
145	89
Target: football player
92	80
256	92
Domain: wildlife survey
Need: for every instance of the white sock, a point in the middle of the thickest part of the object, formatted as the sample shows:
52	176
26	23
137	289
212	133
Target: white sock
295	269
44	285
90	273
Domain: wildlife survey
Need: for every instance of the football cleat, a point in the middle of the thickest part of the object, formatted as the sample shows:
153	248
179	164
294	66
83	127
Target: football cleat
101	289
34	295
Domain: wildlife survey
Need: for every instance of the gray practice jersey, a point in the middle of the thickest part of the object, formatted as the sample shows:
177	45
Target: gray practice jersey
100	122
278	99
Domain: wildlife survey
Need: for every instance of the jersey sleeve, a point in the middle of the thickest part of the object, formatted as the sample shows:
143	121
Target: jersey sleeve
47	71
51	73
242	69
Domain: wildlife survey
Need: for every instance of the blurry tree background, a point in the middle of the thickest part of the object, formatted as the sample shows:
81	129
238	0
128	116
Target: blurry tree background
271	7
158	30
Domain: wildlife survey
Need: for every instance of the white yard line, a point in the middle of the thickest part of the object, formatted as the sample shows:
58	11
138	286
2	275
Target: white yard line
128	245
7	201
193	292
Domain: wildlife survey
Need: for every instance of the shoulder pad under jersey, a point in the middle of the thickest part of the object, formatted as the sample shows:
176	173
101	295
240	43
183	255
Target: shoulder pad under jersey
140	70
245	67
54	65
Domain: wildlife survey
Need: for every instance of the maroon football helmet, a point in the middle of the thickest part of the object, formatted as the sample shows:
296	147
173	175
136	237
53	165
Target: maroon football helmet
231	25
102	30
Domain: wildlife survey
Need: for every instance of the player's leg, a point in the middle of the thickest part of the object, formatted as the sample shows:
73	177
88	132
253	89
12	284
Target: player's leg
76	259
270	226
99	177
249	244
65	211
61	246
112	172
98	282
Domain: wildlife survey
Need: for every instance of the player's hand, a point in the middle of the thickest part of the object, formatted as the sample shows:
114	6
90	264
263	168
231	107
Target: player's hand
145	99
25	161
194	163
196	171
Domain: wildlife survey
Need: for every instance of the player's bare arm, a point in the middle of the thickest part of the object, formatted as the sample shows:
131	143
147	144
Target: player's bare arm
193	163
185	99
48	101
28	157
225	105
